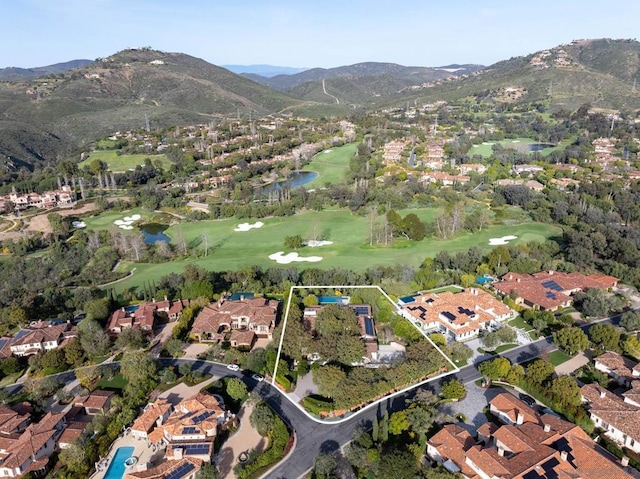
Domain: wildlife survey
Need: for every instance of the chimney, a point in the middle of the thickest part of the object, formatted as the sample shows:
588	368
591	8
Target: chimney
177	453
547	428
563	455
624	462
500	451
519	419
242	297
550	272
603	393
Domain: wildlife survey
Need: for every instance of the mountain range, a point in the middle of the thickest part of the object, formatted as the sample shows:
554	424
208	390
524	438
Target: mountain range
16	74
59	114
266	71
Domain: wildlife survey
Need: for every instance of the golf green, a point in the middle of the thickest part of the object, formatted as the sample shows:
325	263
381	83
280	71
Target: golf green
231	250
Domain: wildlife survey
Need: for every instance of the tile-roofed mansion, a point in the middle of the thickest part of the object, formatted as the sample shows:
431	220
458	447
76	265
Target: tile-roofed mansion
216	321
145	315
41	336
533	446
616	413
550	289
459	316
187	433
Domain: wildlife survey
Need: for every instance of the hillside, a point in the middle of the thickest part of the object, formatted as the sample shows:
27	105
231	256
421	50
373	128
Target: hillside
599	72
51	117
18	74
408	75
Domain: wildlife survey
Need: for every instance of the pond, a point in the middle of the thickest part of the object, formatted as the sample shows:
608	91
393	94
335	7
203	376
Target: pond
539	146
153	232
297	178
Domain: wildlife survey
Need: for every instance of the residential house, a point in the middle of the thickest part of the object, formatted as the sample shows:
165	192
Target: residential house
12	422
191	429
30	451
96	402
617	417
218	320
532	446
461	316
77	422
445	179
49	199
550	290
145	315
368	334
185	468
565	183
519	169
530	184
392	151
478	168
41	336
154	414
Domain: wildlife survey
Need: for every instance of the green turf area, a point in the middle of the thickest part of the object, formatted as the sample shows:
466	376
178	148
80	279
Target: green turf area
485	149
331	165
105	220
116	382
231	250
519	322
558	357
123	162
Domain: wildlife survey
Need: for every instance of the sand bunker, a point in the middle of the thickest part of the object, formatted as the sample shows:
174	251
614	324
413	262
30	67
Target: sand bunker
316	243
78	224
327	151
282	258
248	226
502	240
127	221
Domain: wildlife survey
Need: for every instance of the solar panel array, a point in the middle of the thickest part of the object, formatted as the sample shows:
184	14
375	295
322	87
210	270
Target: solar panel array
189	430
551	295
368	327
450	316
361	310
203	416
181	471
196	449
551	284
465	311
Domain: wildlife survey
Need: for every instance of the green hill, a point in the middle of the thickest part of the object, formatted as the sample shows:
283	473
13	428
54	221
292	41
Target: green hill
600	72
53	116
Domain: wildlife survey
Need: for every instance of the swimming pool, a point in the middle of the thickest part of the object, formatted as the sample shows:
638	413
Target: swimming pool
333	299
117	467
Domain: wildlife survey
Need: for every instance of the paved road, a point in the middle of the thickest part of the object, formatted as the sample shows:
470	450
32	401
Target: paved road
313	437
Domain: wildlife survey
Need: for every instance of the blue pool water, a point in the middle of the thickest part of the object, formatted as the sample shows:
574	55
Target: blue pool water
408	299
132	309
117	467
333	299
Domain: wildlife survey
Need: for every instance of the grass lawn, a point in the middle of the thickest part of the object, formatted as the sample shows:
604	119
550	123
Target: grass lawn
558	357
331	165
123	162
11	378
505	347
485	149
231	250
520	323
105	220
116	382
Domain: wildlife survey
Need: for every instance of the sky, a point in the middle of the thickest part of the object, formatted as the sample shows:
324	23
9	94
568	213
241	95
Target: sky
306	33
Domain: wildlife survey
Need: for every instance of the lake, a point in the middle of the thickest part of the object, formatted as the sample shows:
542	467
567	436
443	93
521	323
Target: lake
153	232
539	146
297	178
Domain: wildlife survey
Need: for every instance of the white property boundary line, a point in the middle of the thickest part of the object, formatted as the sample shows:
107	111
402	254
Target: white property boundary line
455	369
